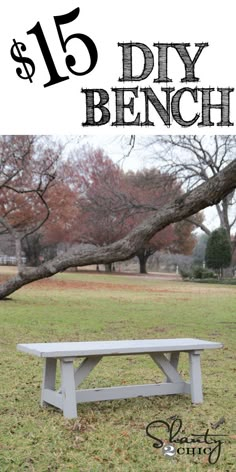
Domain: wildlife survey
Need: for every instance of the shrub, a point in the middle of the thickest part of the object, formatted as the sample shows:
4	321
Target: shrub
185	274
197	273
202	273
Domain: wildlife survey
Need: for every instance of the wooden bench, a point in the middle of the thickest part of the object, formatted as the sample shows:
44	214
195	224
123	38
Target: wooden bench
164	352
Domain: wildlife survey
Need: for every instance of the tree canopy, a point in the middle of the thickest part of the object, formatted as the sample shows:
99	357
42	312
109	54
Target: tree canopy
113	202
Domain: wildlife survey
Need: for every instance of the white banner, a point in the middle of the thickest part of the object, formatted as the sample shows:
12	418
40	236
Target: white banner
86	67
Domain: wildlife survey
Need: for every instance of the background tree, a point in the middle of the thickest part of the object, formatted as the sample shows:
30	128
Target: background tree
199	250
27	171
35	203
113	202
98	183
194	160
147	191
218	250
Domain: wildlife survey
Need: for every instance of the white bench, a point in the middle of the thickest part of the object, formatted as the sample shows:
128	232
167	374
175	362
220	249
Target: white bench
164	352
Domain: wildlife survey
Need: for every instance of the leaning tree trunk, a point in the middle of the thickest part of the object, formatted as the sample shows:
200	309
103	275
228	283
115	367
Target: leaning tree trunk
207	194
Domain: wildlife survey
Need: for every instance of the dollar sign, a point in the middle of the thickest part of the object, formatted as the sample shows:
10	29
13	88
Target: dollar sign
17	56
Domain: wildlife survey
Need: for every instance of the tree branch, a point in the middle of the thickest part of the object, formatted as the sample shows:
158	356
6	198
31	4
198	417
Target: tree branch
199	225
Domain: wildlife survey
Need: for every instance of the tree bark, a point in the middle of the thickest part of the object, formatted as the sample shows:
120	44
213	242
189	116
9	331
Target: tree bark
143	255
142	264
207	194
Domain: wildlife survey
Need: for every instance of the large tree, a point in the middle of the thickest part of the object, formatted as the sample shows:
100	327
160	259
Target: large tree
36	205
113	202
179	208
101	197
27	172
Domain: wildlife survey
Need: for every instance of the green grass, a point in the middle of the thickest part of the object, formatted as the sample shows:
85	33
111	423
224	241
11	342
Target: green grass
111	435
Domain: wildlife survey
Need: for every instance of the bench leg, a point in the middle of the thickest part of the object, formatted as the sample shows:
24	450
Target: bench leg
49	377
68	389
195	377
174	360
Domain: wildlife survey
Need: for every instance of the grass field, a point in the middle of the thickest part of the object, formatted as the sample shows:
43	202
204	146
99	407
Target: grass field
111	435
